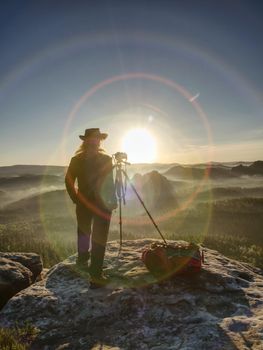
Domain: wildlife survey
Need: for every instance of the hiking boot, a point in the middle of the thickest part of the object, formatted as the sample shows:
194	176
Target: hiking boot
82	260
98	281
83	266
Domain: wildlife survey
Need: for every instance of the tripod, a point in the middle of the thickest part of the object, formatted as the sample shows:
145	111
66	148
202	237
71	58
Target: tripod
120	160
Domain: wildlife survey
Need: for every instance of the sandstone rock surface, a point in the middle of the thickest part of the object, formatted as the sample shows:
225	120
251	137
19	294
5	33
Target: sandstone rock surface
32	261
221	308
17	271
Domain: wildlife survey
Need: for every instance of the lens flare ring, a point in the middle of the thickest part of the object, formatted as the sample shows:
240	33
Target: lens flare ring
171	84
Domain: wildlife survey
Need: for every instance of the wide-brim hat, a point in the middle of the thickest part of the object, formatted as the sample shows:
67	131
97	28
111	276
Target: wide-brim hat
93	132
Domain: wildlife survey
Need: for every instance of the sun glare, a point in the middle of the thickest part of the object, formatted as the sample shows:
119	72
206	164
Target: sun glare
140	146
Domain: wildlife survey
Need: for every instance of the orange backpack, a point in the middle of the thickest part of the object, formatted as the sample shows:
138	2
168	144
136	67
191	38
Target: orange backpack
166	260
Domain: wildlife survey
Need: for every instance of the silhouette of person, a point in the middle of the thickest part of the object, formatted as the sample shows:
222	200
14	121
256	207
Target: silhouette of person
95	199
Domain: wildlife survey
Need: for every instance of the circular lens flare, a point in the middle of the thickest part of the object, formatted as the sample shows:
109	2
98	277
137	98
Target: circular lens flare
140	146
178	89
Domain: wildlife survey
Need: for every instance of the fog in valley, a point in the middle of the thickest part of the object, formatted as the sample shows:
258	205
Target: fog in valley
219	205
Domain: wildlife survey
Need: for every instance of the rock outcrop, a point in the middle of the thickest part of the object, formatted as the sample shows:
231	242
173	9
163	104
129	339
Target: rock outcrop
17	271
155	189
220	308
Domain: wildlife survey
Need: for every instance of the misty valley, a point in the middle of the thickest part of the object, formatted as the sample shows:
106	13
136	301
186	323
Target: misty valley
219	205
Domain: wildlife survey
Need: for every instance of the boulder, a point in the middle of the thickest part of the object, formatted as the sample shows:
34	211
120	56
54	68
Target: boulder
219	308
17	271
30	260
13	277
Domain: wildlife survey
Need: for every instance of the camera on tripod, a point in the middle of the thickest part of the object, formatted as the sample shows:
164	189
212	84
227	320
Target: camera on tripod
120	157
120	163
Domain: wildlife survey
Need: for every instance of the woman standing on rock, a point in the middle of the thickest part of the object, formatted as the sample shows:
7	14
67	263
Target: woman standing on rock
95	199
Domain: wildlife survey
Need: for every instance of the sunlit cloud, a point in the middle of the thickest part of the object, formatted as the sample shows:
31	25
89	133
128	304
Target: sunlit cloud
240	151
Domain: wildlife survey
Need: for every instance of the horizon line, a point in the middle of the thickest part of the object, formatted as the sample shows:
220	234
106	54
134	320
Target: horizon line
145	163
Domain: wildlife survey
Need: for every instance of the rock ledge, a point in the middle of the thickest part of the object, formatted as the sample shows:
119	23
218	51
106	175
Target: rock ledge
221	308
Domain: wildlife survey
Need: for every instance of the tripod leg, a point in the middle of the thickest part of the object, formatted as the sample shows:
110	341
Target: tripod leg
142	203
121	197
120	223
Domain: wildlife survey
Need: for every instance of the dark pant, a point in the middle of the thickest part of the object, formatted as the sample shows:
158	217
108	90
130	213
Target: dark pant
93	225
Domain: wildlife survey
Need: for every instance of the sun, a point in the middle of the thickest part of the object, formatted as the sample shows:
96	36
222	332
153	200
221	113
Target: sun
140	145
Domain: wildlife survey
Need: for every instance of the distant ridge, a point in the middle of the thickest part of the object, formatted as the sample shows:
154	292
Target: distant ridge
28	179
188	171
215	171
20	169
194	173
255	168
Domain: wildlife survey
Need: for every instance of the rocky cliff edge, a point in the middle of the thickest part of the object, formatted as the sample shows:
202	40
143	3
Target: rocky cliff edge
220	308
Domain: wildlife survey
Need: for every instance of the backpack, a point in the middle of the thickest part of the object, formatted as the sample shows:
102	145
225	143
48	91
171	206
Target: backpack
166	260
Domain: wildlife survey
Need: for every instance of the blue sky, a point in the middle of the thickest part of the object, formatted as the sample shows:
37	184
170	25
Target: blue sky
53	53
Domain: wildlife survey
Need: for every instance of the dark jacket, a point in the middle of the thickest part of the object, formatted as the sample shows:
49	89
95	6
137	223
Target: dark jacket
94	174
